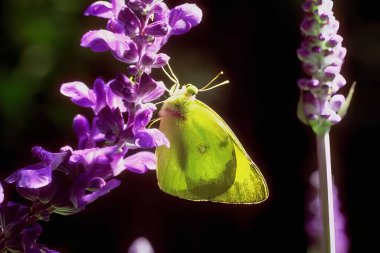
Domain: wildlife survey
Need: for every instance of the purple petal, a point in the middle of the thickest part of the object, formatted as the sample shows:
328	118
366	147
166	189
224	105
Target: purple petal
103	40
1	193
80	94
95	184
101	9
92	156
184	17
160	61
112	184
148	89
140	162
336	102
158	29
81	126
124	87
33	176
143	116
117	5
129	19
53	159
311	105
100	93
149	138
110	123
148	59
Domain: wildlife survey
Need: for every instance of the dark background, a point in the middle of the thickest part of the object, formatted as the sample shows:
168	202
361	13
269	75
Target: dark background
255	46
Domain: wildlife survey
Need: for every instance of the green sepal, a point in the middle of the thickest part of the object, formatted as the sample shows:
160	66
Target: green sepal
320	126
300	111
343	110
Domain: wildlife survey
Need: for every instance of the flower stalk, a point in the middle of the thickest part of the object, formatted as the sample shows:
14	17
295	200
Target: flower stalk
326	192
320	106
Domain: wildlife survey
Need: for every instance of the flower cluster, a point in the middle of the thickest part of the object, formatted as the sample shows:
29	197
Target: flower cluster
117	138
322	55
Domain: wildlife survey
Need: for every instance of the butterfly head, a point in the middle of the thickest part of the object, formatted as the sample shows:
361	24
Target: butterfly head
190	90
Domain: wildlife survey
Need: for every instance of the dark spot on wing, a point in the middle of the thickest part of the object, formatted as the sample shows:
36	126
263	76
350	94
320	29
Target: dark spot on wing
202	148
224	143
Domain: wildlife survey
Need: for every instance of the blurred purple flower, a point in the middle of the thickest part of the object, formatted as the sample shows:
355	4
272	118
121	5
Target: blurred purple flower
1	193
314	227
16	234
141	245
322	55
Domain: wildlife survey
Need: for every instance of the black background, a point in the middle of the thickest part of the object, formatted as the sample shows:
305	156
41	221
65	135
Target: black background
255	46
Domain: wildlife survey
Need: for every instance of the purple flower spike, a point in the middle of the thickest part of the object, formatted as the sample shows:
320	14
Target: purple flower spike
183	18
322	55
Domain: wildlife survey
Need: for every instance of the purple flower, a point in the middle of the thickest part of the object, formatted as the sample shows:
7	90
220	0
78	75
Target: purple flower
314	226
141	245
40	174
97	99
137	30
322	55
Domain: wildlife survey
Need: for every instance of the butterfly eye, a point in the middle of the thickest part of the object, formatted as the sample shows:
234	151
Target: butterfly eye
191	90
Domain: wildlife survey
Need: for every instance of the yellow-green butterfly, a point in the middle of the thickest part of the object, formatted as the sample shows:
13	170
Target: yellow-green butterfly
205	160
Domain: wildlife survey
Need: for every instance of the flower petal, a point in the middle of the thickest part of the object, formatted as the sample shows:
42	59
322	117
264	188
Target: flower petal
149	89
158	29
103	40
184	17
101	9
140	162
110	185
80	94
129	19
143	116
149	138
33	176
161	60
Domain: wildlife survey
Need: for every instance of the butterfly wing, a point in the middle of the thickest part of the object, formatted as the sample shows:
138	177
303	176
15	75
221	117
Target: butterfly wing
249	185
205	160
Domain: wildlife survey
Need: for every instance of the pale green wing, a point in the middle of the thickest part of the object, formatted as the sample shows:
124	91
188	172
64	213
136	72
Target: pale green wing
201	162
206	161
249	186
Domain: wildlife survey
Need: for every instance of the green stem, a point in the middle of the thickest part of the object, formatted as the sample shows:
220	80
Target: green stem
325	192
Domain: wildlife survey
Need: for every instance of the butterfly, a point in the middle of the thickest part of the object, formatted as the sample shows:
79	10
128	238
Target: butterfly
205	160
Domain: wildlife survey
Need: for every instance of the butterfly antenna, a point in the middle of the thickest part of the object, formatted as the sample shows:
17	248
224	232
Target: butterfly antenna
205	88
173	75
169	76
153	122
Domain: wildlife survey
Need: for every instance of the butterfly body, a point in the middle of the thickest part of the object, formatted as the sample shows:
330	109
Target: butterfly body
205	160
